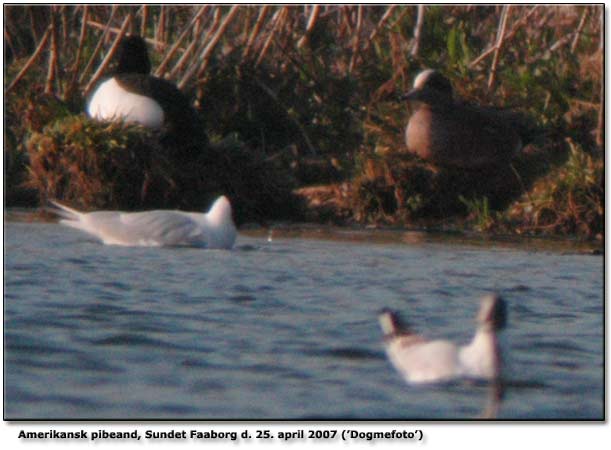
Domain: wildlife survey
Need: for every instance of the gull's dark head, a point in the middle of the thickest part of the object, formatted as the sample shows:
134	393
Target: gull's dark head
391	322
493	312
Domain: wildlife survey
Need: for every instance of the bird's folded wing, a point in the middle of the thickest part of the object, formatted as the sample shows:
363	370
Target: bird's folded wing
162	228
154	228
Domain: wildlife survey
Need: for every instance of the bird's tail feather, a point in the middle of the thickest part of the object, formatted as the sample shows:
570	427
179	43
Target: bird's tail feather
63	210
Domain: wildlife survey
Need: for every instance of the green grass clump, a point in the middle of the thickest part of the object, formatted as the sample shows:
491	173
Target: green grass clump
292	117
569	200
100	165
400	189
28	109
114	165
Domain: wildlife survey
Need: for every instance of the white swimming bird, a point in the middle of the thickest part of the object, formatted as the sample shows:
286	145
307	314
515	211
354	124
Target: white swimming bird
423	361
158	228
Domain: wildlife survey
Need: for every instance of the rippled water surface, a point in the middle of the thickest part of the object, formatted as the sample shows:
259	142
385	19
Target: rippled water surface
286	328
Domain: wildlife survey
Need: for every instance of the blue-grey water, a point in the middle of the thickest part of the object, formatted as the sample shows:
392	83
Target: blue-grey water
286	329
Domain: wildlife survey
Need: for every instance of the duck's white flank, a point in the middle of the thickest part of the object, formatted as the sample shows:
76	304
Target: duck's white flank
157	228
112	102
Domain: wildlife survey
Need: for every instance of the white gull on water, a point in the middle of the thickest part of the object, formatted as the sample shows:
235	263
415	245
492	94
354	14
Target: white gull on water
158	228
422	361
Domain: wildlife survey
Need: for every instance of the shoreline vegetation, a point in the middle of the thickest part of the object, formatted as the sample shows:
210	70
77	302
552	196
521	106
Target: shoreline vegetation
300	107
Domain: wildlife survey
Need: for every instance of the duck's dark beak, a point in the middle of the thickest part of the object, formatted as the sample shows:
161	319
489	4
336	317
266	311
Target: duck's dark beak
412	95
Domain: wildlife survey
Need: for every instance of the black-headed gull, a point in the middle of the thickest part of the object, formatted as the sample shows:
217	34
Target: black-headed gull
158	228
422	361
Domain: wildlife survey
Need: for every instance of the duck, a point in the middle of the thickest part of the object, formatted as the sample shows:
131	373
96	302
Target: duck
450	132
132	94
157	228
423	361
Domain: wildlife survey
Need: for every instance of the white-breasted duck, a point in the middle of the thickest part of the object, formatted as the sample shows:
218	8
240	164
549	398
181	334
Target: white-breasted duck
133	95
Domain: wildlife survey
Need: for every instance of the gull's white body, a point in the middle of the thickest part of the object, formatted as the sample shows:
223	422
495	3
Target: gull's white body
112	102
423	361
434	361
158	228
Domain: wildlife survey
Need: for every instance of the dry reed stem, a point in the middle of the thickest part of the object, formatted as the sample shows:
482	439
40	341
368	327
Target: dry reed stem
600	126
194	48
500	40
170	53
64	17
309	27
185	58
376	30
9	41
398	19
284	38
218	14
276	20
98	47
106	61
217	37
79	51
255	31
510	35
242	34
328	10
564	40
35	22
201	46
31	61
357	39
49	82
341	26
143	19
347	20
399	62
418	31
582	23
378	27
160	32
197	28
81	41
114	30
